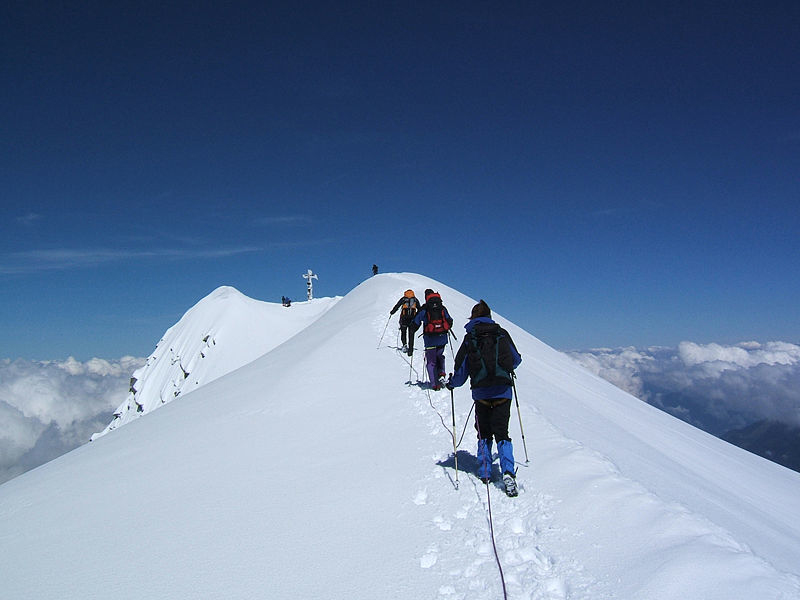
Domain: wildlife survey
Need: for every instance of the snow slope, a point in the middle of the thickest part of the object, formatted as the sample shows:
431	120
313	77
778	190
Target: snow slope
320	470
222	332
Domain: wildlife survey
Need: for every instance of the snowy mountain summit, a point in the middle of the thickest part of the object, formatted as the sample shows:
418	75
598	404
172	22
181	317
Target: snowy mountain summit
221	333
317	466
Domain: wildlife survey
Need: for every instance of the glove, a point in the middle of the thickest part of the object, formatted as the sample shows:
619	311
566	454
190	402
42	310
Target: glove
449	385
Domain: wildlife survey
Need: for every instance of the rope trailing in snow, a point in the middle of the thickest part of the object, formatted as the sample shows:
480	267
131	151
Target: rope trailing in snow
430	401
488	493
441	418
410	364
494	546
466	422
489	505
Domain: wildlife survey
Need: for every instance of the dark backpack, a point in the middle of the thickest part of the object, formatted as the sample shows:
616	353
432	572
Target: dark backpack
437	321
490	356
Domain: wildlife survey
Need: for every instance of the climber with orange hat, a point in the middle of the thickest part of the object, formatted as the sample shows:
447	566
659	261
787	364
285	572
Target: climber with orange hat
408	305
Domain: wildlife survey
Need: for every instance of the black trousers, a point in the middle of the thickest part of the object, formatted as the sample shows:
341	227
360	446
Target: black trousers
491	418
407	336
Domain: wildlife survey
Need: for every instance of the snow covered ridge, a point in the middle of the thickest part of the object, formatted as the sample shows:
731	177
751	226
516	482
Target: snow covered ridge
322	469
222	332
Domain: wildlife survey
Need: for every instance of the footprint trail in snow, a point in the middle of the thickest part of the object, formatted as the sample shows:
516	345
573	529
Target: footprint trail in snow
459	518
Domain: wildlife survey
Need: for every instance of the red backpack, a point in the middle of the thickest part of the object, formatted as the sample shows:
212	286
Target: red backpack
437	322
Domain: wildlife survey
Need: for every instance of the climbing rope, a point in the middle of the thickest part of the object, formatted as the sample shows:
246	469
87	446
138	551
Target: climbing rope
494	546
488	493
489	505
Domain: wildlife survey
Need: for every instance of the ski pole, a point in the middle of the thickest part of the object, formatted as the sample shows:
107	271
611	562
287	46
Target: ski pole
450	342
453	412
519	414
384	330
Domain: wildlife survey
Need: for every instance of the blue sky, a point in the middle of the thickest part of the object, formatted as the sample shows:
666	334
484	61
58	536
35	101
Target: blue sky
603	174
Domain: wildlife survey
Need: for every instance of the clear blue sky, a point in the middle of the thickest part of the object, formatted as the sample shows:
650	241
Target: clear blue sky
603	174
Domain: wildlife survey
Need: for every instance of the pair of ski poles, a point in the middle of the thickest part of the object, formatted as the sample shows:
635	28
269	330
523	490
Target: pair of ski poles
519	416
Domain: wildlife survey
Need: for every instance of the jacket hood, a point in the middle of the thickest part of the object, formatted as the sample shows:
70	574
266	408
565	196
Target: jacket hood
473	322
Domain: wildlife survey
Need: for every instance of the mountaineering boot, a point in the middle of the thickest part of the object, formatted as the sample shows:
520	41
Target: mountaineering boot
511	484
485	459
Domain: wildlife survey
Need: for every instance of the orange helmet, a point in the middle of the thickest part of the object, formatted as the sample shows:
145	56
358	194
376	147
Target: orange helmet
409	294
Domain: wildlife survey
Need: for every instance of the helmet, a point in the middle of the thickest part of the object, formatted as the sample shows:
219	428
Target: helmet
409	294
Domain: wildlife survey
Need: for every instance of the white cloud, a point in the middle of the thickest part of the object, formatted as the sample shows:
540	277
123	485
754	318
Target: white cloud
285	220
61	259
746	355
29	219
620	367
713	386
98	366
50	407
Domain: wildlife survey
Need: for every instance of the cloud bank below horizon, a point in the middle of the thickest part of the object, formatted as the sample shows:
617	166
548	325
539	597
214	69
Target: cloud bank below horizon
48	408
717	388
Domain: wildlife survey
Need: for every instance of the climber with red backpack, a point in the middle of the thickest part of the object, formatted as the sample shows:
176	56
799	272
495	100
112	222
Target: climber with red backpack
436	325
408	306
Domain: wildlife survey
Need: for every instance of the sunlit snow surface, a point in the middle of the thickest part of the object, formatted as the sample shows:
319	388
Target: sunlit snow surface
221	333
322	470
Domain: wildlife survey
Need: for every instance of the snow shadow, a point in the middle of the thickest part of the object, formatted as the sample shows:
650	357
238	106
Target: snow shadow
423	385
467	463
